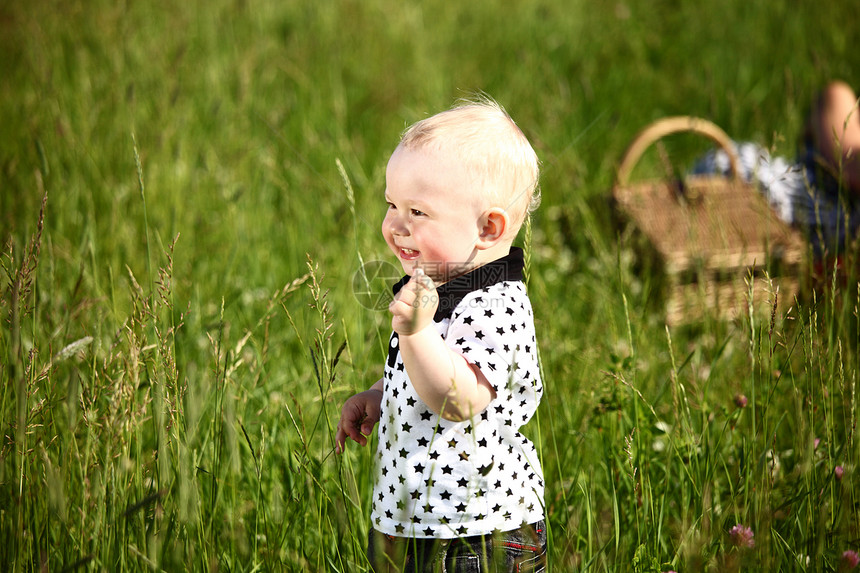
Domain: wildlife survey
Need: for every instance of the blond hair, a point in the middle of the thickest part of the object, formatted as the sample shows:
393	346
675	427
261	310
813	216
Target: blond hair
481	134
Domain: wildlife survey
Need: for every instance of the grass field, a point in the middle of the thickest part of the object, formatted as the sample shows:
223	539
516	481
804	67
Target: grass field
188	189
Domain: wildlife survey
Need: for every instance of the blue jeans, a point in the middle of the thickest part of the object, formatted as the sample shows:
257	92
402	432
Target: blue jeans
522	550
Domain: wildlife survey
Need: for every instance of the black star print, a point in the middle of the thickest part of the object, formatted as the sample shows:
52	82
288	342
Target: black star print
473	324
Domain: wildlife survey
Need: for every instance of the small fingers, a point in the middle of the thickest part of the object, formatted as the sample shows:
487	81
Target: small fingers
350	419
422	281
348	431
357	419
339	441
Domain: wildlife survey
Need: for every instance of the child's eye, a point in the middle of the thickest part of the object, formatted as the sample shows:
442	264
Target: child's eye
417	213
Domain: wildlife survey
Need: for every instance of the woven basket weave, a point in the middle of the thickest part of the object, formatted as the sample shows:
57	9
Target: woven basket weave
712	232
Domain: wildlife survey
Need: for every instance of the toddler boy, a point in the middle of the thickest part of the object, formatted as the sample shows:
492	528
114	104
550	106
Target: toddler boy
456	483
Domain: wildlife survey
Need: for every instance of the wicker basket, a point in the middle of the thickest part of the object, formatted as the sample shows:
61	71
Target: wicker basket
713	233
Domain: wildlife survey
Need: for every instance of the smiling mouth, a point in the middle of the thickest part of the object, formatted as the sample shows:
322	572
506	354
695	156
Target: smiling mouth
408	254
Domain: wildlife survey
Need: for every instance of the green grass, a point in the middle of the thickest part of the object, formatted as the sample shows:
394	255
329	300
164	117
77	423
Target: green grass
179	327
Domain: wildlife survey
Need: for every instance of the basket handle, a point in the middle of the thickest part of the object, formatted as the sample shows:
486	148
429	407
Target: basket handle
668	126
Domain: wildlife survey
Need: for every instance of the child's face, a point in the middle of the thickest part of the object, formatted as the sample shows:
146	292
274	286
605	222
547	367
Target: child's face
434	214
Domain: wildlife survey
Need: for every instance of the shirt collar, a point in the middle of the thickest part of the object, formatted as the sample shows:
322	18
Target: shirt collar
507	268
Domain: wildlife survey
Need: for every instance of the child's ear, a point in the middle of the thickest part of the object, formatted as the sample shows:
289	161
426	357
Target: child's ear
493	224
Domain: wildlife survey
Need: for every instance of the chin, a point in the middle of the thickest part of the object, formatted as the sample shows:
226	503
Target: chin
409	267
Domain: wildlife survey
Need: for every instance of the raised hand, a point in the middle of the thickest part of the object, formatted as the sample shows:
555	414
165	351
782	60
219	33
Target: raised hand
413	307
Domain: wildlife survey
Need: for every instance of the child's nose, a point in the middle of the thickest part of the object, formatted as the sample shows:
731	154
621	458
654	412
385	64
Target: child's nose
397	225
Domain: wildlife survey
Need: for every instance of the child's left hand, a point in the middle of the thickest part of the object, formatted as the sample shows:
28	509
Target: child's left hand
413	307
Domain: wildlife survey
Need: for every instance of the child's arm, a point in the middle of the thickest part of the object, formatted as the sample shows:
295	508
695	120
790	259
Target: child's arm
358	416
444	380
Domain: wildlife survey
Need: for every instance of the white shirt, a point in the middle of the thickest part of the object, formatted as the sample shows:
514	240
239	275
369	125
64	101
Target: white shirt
442	479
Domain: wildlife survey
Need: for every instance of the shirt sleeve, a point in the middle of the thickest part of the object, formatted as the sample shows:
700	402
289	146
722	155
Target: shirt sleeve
493	329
